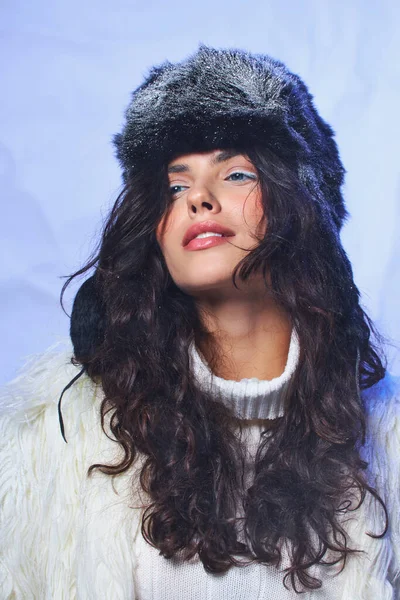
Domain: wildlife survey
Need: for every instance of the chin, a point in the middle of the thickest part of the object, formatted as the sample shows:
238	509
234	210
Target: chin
202	285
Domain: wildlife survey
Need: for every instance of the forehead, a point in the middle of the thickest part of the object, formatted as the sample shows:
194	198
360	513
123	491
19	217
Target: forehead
182	162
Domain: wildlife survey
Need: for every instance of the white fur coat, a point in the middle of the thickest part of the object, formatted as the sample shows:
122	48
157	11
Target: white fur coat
64	536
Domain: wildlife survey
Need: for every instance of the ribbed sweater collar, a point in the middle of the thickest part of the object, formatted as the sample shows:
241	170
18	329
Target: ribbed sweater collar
249	398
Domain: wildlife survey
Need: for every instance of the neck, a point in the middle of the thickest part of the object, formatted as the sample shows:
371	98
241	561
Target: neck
247	336
249	398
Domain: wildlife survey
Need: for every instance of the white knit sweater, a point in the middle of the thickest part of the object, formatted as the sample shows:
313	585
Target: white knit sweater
65	537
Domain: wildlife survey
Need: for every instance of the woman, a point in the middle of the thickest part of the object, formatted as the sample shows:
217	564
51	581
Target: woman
231	431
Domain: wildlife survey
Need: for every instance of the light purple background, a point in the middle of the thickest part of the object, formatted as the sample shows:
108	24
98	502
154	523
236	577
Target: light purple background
67	70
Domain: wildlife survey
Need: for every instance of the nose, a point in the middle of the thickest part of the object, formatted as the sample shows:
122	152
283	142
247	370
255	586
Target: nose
201	199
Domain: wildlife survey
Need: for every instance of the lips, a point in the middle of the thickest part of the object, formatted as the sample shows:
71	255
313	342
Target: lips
203	227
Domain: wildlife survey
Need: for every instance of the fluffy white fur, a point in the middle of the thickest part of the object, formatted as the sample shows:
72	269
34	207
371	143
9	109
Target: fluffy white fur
64	536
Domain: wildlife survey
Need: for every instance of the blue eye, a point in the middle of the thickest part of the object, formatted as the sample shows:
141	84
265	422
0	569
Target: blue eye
175	189
242	176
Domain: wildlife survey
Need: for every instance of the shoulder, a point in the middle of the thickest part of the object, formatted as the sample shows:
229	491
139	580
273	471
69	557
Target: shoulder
29	403
33	452
382	407
382	453
39	383
48	505
31	442
29	418
382	445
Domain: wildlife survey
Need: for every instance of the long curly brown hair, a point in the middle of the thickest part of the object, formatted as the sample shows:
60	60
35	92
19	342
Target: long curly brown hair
308	464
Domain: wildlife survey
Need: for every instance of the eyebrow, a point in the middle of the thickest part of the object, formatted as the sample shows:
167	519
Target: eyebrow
222	156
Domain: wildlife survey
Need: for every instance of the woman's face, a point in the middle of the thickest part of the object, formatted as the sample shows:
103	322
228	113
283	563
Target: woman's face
213	191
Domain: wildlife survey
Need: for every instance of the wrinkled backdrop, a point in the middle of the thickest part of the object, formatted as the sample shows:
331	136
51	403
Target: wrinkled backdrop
67	70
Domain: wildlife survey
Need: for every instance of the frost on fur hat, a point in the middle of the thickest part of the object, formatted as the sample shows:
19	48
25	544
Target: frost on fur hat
221	98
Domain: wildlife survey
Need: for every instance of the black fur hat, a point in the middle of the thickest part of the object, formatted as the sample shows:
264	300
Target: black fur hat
219	98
